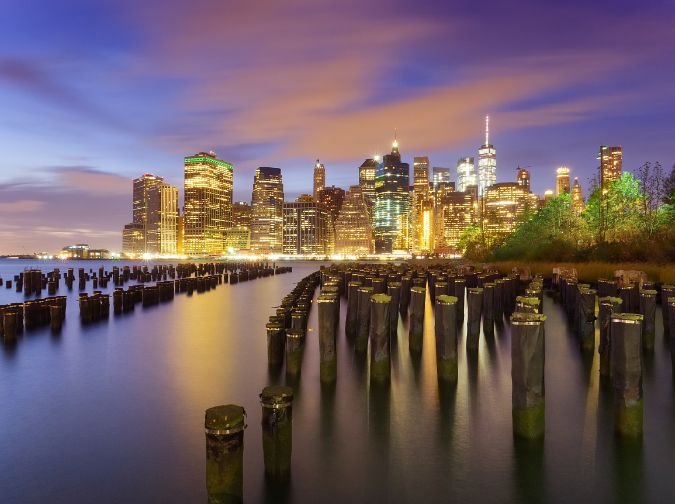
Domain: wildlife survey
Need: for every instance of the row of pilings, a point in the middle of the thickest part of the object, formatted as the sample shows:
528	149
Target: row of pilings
170	280
625	310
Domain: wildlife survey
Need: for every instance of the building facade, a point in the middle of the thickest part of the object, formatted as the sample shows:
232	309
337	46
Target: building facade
440	175
523	178
367	181
466	173
577	197
611	161
145	209
267	211
562	181
487	162
304	227
133	240
319	179
455	212
504	206
353	233
208	204
392	204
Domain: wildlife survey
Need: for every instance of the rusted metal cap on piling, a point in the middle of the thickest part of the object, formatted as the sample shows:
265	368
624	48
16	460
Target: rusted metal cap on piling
224	420
276	397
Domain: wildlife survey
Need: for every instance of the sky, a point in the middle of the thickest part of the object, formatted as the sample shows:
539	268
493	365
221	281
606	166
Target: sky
94	93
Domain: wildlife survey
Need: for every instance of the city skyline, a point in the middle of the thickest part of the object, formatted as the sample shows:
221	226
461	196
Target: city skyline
134	100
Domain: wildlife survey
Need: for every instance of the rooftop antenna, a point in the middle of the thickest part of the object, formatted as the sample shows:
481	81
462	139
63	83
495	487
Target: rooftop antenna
487	129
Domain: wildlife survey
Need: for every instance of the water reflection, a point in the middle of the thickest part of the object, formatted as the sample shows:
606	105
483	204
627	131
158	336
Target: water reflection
529	473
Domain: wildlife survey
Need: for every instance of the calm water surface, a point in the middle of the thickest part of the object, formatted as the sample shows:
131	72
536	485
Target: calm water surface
114	412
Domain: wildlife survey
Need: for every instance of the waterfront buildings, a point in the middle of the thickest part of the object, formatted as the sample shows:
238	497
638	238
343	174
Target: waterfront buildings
392	204
562	181
440	175
487	162
267	210
367	180
331	198
238	237
133	240
304	227
208	204
466	173
455	212
577	197
504	205
319	179
154	214
353	234
422	208
610	164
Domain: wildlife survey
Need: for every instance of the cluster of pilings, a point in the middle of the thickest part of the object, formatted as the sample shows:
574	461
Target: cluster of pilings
287	328
626	313
50	311
224	427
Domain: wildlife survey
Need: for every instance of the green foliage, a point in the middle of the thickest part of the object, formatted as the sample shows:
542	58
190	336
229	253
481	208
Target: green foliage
472	242
628	220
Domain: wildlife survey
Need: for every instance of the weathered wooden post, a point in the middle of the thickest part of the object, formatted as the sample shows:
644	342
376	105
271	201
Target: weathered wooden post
445	319
499	300
224	427
365	294
458	292
667	291
394	292
475	309
276	343
277	431
586	299
527	374
417	307
327	336
406	282
295	344
607	306
352	317
55	318
488	310
9	318
626	370
669	306
648	312
379	337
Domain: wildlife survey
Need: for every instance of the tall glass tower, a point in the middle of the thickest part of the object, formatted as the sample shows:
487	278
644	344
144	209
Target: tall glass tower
392	203
466	173
267	211
487	162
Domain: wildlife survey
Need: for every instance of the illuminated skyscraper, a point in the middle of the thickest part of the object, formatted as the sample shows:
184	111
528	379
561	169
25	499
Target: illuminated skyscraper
562	181
610	164
304	227
145	209
422	206
238	237
577	197
392	203
455	212
319	179
548	196
180	235
367	180
353	234
523	178
466	173
267	211
208	203
440	175
487	162
133	240
505	205
331	198
166	219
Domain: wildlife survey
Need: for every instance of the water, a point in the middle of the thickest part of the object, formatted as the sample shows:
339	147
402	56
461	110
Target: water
114	412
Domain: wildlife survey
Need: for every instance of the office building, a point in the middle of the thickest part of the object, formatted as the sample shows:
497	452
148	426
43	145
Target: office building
562	181
610	164
504	206
367	180
319	179
440	175
133	240
523	178
353	233
577	197
267	211
304	227
455	212
208	204
466	173
487	162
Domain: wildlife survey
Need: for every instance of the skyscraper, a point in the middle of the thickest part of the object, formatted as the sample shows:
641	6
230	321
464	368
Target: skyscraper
319	179
562	181
331	198
523	178
422	205
487	162
392	203
353	234
267	211
577	197
238	237
440	176
304	227
133	240
367	180
167	219
208	203
505	205
145	208
610	164
456	212
466	173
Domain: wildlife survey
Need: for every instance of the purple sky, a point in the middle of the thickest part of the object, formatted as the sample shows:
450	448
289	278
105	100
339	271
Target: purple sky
94	95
